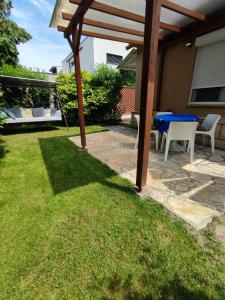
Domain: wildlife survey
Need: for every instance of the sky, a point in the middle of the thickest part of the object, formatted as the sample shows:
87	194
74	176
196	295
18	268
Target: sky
47	47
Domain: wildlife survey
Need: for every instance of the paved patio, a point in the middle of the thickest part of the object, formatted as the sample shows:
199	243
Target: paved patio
193	192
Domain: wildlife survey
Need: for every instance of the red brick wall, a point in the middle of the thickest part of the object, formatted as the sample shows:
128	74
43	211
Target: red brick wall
127	102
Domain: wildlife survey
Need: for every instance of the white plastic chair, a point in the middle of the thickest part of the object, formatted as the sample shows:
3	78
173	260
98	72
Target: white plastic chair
209	128
153	131
180	131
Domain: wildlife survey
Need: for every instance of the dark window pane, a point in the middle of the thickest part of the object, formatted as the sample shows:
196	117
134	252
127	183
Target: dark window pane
206	95
113	59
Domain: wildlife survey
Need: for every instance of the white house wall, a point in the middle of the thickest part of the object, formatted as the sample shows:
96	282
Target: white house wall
87	54
66	63
94	51
102	47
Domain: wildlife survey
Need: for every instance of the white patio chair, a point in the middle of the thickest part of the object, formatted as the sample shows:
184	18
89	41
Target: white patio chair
155	132
180	131
209	128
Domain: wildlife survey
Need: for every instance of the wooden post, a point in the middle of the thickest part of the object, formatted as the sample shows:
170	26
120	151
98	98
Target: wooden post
152	23
161	56
76	44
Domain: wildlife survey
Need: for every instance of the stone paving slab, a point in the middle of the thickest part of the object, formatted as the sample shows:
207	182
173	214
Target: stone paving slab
193	192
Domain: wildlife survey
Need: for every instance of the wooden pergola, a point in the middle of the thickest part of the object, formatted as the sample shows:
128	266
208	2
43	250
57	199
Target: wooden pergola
154	24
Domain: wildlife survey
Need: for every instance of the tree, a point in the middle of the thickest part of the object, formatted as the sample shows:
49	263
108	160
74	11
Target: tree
11	35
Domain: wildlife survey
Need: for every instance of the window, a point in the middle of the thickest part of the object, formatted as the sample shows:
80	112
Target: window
208	85
113	59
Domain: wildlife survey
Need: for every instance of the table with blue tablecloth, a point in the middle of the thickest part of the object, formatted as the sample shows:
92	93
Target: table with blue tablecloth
162	122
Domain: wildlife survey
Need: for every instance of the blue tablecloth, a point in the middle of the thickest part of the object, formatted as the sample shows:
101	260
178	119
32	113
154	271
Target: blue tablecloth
162	123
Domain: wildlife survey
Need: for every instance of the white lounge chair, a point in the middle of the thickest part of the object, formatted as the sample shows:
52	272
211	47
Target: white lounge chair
15	115
153	131
209	128
180	131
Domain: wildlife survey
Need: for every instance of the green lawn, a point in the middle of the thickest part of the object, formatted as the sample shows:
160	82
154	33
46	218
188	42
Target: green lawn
70	228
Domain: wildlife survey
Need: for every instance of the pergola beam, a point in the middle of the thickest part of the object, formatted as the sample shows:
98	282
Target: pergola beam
125	14
182	10
213	21
87	21
78	16
110	37
107	37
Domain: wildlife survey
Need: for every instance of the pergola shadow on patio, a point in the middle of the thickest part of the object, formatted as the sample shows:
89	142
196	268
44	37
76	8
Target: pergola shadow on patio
153	24
193	192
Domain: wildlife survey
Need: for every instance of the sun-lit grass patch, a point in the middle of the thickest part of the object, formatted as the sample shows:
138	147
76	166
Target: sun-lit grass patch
70	228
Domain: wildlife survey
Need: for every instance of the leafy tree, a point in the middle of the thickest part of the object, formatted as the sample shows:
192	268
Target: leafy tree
11	35
5	7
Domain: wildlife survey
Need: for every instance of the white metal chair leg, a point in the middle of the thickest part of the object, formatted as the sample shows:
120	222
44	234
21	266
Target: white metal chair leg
192	152
167	149
156	133
137	139
162	142
212	143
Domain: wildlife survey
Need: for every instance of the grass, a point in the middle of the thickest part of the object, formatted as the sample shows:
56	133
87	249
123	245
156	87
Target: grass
70	228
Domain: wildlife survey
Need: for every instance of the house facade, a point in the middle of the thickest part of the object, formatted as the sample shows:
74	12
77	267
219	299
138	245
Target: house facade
193	76
94	51
190	78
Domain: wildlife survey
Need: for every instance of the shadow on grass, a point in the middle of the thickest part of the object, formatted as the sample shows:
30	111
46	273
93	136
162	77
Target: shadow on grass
26	129
69	168
3	150
173	289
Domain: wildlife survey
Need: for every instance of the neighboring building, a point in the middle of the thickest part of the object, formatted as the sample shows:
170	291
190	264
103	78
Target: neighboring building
191	78
53	72
94	51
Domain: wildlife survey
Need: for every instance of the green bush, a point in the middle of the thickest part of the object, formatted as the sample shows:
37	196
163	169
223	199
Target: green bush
67	92
20	71
128	77
101	91
20	96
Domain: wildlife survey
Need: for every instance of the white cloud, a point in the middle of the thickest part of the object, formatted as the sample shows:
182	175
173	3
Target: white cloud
43	5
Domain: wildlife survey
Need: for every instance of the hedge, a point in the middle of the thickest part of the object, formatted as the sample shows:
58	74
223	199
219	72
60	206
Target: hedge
101	91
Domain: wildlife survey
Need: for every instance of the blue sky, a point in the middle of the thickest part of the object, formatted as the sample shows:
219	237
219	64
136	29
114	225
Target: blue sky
47	47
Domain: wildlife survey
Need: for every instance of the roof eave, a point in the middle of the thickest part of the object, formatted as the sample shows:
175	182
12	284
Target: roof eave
54	14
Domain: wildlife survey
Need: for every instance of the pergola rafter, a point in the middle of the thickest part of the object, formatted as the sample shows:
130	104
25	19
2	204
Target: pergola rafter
183	10
129	41
121	13
126	25
108	37
67	16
